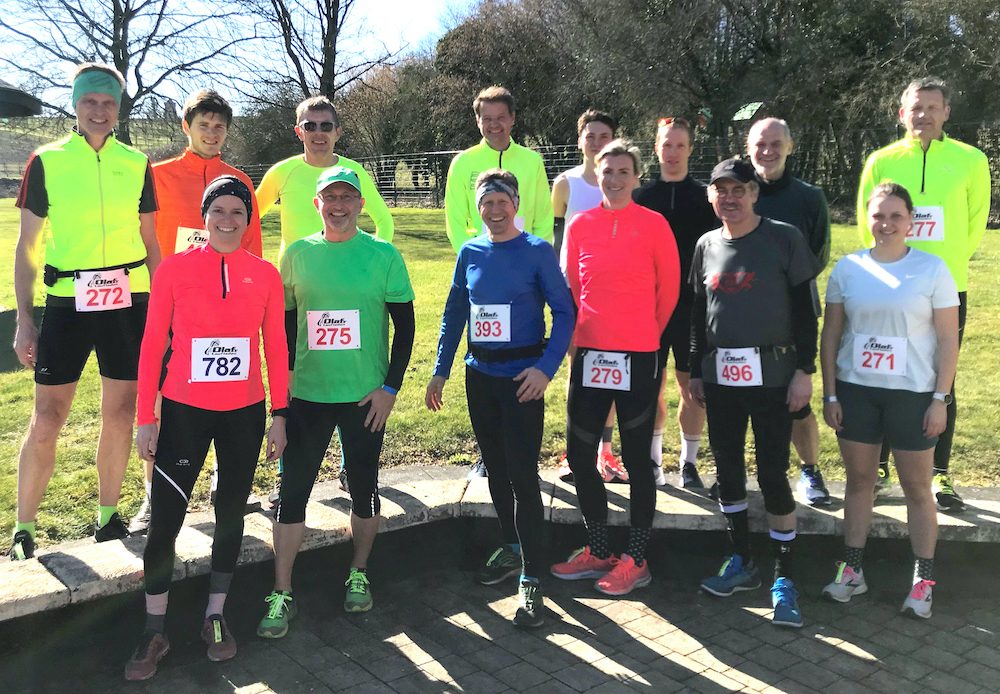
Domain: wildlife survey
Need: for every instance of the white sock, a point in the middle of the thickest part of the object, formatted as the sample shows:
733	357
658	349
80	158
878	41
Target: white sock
216	603
656	448
149	487
157	604
689	448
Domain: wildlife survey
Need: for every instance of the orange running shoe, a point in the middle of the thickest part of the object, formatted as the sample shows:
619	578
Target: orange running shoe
624	577
582	564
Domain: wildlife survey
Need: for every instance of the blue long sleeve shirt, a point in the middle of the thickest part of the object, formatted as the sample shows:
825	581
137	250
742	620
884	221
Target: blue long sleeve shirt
522	273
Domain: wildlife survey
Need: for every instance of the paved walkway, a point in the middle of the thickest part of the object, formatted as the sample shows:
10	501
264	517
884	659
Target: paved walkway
438	631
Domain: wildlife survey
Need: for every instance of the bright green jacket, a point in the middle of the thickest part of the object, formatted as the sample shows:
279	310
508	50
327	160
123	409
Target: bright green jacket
462	220
951	175
293	181
93	212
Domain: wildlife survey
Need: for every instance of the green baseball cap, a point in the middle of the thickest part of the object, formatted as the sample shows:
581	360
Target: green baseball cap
335	174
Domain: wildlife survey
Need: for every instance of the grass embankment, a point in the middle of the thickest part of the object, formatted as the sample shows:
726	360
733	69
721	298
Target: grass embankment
418	436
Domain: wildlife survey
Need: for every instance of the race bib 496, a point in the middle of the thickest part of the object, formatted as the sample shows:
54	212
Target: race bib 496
738	367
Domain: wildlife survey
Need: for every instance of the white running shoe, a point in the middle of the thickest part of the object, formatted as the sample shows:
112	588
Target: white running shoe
846	584
658	478
919	600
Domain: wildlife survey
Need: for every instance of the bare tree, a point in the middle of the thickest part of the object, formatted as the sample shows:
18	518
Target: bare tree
154	43
309	32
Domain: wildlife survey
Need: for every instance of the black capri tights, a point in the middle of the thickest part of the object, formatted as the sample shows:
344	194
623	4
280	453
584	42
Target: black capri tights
728	410
310	429
509	434
185	434
587	410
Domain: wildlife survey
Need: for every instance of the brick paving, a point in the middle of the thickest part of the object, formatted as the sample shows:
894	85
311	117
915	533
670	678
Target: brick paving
438	631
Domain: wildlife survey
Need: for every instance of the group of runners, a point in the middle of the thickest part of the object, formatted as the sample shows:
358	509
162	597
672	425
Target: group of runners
720	275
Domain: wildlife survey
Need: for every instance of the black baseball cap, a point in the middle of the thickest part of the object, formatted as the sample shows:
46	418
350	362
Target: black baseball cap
734	168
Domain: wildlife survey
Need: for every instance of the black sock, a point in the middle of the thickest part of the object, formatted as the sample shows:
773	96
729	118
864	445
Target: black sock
597	539
739	534
853	556
637	539
156	623
781	544
923	569
607	433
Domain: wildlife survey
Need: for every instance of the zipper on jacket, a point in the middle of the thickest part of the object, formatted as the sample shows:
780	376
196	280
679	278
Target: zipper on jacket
923	171
100	199
500	159
224	273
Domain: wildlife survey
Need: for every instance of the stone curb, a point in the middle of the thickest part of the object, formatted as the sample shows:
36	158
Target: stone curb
81	571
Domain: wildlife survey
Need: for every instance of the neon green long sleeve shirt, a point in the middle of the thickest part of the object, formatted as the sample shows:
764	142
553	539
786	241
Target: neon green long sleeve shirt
462	220
950	187
293	181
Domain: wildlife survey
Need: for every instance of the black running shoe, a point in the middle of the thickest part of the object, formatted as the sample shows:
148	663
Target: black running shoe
531	612
690	478
23	546
114	529
502	564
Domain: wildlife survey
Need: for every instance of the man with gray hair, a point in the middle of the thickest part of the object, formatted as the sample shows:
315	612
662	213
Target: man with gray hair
793	201
950	184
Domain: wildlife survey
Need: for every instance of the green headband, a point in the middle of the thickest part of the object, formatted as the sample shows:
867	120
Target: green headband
96	81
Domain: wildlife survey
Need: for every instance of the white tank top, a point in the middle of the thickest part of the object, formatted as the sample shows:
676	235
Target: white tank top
582	195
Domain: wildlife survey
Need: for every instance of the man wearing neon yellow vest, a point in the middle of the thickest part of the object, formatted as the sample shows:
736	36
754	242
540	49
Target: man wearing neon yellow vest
494	109
100	251
950	184
293	180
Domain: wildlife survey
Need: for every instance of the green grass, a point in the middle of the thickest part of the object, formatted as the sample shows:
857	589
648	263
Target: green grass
416	435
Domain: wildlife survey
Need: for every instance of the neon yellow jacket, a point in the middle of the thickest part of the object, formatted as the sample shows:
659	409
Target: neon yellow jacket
93	214
462	220
293	181
951	175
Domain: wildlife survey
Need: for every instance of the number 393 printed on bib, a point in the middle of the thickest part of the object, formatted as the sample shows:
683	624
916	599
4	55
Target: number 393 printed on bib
489	323
607	371
217	359
334	330
103	290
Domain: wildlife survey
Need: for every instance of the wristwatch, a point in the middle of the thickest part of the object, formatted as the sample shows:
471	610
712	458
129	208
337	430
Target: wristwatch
943	397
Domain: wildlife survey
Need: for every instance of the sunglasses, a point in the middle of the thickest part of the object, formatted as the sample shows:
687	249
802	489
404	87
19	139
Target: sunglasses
311	127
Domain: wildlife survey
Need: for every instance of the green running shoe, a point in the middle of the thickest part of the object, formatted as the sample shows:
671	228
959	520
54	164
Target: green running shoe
502	564
280	610
359	592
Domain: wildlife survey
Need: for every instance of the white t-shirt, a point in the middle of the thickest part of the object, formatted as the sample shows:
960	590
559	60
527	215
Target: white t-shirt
582	196
890	300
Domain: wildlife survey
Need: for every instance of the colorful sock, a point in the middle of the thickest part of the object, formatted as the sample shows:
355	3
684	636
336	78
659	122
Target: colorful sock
923	569
853	557
104	514
597	539
656	449
739	532
529	579
29	526
637	539
515	548
781	544
606	435
689	448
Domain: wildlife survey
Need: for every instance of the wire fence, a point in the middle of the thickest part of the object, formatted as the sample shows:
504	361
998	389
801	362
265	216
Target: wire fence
828	158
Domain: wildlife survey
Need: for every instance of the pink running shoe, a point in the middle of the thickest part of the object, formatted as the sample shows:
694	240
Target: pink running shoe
610	467
582	564
624	577
919	600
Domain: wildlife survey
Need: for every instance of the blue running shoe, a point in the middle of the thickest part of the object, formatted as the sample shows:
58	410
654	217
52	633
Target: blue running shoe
785	600
732	577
